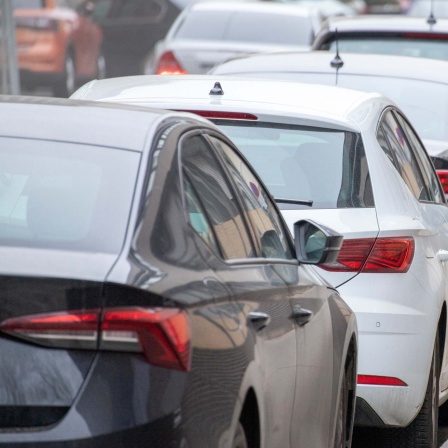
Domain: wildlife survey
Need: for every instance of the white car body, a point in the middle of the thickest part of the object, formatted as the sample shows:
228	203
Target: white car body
209	32
399	314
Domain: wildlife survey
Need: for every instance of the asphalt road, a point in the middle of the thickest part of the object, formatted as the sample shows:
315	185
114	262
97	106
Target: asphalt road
362	438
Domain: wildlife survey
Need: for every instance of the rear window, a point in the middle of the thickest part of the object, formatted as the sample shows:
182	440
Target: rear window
399	45
254	27
326	167
65	196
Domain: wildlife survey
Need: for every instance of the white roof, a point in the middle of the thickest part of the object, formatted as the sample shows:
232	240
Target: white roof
251	95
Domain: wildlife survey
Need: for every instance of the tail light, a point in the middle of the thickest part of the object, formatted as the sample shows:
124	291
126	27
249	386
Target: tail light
161	334
374	380
168	65
370	255
443	176
214	114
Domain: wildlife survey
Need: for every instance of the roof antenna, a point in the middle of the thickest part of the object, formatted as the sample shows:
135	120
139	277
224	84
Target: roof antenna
217	89
337	62
431	20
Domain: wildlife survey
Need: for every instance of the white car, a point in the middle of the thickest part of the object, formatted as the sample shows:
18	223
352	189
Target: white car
351	160
207	33
419	88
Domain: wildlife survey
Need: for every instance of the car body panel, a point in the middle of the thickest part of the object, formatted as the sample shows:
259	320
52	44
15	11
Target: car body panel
412	302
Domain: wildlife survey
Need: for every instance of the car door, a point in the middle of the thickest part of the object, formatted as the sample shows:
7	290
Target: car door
407	154
437	206
260	295
308	299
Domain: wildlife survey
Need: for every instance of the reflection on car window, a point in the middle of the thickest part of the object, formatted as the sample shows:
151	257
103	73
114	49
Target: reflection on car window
430	176
64	196
407	164
326	166
27	4
216	197
260	210
196	215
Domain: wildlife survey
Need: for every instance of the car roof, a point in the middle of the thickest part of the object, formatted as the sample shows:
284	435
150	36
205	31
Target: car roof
354	63
383	23
94	123
262	96
265	7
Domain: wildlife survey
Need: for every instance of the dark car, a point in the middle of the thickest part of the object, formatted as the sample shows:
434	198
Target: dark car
151	294
131	28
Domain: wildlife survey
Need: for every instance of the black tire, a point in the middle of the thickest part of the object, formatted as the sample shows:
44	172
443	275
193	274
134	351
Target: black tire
239	439
66	85
345	415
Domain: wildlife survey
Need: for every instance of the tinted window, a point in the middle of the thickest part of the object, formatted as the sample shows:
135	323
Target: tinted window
246	27
423	48
407	164
202	170
65	196
326	167
27	4
427	168
257	202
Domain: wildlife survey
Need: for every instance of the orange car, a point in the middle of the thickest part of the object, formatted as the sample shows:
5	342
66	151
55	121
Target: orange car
58	45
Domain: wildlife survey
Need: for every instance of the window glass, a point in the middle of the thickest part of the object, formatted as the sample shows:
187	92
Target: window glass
406	162
423	48
428	170
244	26
197	216
216	197
326	167
65	196
385	146
257	202
27	4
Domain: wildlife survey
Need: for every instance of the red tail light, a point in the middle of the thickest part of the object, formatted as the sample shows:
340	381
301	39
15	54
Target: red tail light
370	255
168	65
161	334
374	380
212	114
443	176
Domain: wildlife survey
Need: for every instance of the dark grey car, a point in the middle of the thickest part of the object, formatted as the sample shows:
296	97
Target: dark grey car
150	292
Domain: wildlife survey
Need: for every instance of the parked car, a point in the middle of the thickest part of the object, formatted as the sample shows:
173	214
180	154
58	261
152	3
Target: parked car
152	294
329	8
423	8
131	28
353	160
385	34
207	33
420	89
57	46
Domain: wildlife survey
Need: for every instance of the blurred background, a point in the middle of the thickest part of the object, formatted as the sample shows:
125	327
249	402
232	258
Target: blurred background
51	47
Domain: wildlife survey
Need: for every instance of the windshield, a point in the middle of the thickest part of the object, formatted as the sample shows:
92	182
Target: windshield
252	27
64	196
325	167
400	45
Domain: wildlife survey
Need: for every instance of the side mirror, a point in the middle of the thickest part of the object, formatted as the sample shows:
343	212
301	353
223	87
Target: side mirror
315	243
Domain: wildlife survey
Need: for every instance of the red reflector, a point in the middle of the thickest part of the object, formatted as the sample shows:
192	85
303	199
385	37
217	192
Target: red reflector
443	176
374	380
383	255
222	115
163	334
168	65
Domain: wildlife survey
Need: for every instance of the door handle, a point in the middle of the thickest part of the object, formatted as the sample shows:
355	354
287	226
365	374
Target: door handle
259	320
301	315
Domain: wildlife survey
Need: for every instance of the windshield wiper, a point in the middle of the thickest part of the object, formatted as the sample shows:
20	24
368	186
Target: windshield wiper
308	202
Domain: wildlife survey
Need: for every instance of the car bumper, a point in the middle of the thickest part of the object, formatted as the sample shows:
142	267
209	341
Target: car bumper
397	321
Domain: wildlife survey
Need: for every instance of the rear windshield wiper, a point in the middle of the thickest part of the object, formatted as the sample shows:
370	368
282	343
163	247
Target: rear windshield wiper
308	202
